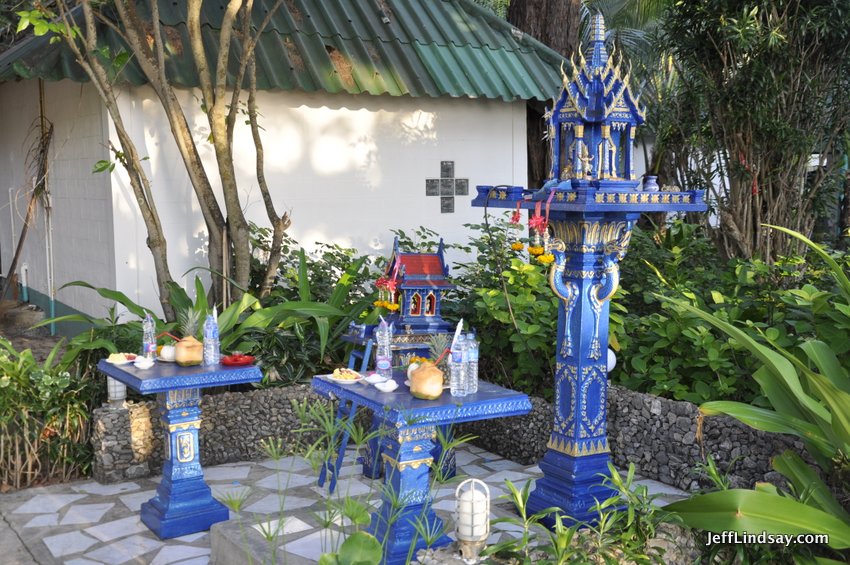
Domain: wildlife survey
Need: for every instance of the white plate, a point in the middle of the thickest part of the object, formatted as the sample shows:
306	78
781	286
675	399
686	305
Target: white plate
119	363
345	381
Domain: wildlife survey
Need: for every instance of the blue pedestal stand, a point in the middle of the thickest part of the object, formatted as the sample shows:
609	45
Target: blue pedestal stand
406	474
183	503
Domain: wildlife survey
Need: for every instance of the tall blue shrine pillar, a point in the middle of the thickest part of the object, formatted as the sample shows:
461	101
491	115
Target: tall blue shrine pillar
585	275
592	200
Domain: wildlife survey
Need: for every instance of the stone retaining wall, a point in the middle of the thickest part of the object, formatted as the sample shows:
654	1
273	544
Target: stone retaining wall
232	426
658	435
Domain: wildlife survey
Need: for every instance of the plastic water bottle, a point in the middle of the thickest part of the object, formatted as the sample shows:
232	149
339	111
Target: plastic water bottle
149	337
384	353
457	381
212	347
472	364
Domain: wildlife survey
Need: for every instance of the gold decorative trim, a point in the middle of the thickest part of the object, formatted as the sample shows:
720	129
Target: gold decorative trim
417	434
193	425
569	447
412	464
641	198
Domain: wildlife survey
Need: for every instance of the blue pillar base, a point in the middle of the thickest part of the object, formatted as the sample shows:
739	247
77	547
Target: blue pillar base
573	484
181	508
396	531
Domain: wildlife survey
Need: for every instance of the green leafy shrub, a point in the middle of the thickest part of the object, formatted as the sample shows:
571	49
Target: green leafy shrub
807	387
44	416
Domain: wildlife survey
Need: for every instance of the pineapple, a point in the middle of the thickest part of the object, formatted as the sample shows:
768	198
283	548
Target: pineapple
437	343
188	320
189	351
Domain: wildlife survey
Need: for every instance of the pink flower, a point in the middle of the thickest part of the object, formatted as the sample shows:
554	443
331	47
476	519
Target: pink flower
538	222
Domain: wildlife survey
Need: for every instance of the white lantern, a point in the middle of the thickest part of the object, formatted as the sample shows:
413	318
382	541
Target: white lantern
116	391
472	518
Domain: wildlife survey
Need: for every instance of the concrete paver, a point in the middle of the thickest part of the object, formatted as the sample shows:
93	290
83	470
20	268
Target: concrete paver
84	523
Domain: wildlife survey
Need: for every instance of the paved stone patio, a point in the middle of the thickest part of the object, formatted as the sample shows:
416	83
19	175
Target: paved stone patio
86	523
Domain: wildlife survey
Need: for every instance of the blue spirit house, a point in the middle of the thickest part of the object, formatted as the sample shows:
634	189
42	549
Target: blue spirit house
593	200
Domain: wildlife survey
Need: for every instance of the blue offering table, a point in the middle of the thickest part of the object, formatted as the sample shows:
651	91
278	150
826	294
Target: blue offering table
409	431
183	503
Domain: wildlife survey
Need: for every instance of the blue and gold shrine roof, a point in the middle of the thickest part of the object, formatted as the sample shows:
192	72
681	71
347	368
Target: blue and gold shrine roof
598	90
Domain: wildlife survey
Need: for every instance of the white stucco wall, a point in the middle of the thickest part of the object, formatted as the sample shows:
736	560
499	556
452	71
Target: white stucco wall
349	168
81	202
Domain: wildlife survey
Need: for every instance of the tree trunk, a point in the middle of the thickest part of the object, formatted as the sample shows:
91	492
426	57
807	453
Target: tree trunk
844	221
556	24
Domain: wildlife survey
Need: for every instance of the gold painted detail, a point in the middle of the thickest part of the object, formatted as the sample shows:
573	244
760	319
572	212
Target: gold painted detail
185	447
571	274
182	398
641	198
413	338
589	233
578	449
417	434
193	425
412	464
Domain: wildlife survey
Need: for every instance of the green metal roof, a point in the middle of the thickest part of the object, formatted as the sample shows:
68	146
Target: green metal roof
428	48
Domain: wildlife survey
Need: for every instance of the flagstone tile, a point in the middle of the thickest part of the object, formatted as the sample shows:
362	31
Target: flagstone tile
117	529
175	553
43	520
473	471
189	538
465	457
502	464
312	546
272	504
516	477
68	543
85	513
656	487
291	463
291	525
285	481
134	501
47	503
93	487
82	561
203	560
226	473
346	487
124	550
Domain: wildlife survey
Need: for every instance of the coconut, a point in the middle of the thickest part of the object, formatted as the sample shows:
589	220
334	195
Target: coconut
426	381
188	351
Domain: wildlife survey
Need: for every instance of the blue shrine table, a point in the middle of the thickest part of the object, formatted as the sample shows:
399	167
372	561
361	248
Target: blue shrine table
183	503
406	447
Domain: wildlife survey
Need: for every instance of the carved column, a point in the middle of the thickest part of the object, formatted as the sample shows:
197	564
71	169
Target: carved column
585	274
183	503
406	497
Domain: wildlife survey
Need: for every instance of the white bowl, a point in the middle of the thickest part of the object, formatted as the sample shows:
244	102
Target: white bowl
375	378
143	363
387	386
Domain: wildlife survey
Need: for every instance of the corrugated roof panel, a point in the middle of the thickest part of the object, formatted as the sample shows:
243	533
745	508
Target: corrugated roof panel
428	48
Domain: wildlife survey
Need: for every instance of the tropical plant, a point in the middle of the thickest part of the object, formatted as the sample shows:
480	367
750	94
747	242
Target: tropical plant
808	389
44	415
622	531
